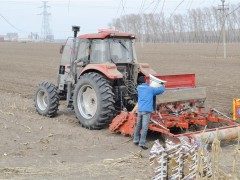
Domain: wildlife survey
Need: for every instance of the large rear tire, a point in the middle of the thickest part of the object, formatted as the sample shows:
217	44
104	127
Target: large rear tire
46	99
93	101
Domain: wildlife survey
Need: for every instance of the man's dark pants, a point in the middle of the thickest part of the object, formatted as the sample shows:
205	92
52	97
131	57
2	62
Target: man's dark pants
143	121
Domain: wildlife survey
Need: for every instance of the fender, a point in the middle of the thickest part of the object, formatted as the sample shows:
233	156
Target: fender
108	69
145	69
173	81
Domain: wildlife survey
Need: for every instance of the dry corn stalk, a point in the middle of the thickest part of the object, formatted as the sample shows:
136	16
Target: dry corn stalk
158	161
236	157
216	148
204	170
189	151
174	163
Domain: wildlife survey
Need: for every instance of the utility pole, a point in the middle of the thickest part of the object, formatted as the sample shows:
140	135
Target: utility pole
45	30
223	8
142	28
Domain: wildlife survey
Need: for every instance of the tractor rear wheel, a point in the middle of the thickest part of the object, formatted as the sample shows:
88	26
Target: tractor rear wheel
46	99
93	101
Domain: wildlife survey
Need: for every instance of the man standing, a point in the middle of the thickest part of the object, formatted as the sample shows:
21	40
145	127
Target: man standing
145	107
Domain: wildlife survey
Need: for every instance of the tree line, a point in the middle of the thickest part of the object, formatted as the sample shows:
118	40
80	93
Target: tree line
196	25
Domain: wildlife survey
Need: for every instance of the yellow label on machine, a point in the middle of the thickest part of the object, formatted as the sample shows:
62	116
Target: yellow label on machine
236	109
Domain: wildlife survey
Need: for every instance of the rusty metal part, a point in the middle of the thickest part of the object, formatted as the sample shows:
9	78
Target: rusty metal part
124	123
228	129
118	121
220	113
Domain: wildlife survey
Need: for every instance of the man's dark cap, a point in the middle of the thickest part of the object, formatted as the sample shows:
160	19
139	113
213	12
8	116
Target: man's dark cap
141	79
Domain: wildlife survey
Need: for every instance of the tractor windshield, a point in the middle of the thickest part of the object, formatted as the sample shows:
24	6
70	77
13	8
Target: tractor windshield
99	51
122	50
112	50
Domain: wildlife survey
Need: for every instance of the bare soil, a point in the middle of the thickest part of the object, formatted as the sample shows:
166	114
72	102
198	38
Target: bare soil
37	147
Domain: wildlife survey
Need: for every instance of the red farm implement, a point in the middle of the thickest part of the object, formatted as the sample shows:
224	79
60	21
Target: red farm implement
181	108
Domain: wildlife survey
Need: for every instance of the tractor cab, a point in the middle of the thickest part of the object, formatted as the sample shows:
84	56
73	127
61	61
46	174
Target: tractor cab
103	47
106	47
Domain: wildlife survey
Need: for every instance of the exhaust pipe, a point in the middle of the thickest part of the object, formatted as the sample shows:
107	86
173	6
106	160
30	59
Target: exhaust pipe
73	69
75	29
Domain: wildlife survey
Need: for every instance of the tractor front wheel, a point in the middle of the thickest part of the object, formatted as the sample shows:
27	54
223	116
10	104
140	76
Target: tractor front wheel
93	101
46	99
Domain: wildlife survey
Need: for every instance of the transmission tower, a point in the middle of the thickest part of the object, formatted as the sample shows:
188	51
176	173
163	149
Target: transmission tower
45	30
223	8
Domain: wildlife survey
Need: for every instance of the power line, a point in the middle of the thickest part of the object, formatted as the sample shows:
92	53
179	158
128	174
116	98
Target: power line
176	8
14	27
141	7
149	5
156	6
233	10
140	13
72	4
123	7
162	6
118	8
190	5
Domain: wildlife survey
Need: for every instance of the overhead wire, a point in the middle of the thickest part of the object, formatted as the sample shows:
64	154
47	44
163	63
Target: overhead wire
140	14
162	6
68	3
149	5
156	6
123	7
142	7
234	10
9	23
176	8
190	5
118	8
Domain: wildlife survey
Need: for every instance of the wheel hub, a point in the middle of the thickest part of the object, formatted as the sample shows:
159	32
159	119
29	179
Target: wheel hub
87	101
42	101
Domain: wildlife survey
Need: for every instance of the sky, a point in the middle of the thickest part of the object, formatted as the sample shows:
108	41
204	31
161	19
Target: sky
24	16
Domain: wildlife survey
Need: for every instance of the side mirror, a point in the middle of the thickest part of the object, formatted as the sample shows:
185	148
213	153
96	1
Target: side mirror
61	49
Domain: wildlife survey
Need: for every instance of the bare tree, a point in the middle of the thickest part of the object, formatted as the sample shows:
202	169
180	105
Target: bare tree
196	25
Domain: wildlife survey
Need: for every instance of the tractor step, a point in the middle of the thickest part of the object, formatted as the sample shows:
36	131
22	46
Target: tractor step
70	104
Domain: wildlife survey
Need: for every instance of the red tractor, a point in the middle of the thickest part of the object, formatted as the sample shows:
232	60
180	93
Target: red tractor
98	78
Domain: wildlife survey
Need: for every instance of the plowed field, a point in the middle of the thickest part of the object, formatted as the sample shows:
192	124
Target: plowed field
36	147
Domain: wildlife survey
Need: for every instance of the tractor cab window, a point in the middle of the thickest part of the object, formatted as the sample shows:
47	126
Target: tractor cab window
121	50
99	51
69	51
83	51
